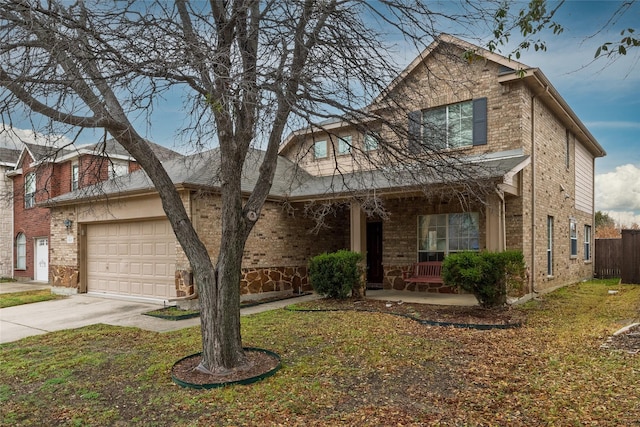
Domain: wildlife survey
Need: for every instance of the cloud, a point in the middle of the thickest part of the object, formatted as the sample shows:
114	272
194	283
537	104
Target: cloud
11	137
619	190
613	125
624	219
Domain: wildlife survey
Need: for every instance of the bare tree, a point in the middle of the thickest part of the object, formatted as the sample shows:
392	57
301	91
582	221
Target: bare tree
250	71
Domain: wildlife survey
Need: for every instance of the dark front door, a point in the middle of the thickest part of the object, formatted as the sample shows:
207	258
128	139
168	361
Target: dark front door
375	272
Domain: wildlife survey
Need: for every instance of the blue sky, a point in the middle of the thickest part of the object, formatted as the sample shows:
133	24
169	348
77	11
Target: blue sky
604	94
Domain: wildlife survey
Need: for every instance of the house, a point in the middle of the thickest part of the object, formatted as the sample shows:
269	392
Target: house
42	172
498	129
8	159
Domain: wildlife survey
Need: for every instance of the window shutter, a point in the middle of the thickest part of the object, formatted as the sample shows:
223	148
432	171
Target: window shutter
480	121
415	124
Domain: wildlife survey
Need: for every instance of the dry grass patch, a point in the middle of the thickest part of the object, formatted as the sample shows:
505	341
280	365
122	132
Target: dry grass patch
344	368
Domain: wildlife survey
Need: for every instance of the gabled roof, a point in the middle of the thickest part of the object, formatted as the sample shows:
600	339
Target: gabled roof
200	172
511	71
110	148
9	156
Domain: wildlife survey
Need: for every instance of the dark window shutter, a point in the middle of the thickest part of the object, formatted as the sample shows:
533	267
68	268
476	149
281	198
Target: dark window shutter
415	125
480	121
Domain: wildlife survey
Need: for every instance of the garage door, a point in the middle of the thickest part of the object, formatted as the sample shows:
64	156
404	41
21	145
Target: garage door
135	259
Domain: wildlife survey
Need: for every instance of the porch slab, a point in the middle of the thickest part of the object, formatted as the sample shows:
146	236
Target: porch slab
422	297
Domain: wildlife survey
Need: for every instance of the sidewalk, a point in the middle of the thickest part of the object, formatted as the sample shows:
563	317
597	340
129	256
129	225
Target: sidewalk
81	310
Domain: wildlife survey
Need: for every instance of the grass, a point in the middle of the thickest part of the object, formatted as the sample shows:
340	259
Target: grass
27	297
344	368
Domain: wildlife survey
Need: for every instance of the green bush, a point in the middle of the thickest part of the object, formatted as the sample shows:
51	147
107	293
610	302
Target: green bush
490	276
335	274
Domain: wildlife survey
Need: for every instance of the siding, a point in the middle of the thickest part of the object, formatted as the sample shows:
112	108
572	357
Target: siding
584	179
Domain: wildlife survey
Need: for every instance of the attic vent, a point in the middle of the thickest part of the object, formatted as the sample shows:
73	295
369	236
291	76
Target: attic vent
505	70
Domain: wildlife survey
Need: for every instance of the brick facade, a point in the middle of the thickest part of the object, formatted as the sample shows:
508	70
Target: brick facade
6	225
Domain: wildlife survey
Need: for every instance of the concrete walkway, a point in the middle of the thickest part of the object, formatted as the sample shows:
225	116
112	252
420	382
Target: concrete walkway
81	310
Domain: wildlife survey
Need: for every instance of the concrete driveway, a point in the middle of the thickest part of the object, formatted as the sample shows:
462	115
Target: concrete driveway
81	310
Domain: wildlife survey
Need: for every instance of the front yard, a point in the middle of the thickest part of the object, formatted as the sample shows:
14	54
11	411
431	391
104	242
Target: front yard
345	368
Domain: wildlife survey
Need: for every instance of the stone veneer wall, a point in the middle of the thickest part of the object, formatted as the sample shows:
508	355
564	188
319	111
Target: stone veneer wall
63	250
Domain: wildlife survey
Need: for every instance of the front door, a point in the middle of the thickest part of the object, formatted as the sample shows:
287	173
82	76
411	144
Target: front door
375	273
42	260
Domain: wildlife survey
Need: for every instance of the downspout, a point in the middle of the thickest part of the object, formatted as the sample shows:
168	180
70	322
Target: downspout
533	197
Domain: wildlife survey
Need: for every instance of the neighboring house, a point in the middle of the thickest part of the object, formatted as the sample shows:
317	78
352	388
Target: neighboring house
43	172
8	159
514	132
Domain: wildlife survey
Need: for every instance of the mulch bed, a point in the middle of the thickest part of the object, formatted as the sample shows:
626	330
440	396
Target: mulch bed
445	315
628	341
258	363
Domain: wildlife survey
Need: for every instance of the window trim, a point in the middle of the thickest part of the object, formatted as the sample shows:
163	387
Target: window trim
30	184
550	227
447	238
75	176
587	243
573	238
21	251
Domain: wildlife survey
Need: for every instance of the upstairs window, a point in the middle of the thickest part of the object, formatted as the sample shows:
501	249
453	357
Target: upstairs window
370	142
450	126
344	145
75	176
320	150
117	169
30	190
21	251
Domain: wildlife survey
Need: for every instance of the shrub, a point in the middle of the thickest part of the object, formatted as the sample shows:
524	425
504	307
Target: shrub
335	274
490	276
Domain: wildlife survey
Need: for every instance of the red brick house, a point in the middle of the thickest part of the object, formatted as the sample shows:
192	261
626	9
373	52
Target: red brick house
537	158
43	172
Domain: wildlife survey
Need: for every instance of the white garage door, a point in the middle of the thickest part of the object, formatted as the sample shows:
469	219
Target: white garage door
135	259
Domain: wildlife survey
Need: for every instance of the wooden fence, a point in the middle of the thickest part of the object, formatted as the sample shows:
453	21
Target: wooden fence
608	258
630	271
619	257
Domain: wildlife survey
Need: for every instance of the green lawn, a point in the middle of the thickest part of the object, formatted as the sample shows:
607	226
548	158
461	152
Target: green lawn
27	297
344	368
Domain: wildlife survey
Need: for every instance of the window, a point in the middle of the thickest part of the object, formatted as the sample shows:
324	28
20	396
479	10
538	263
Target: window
21	252
75	174
370	142
587	243
344	145
30	190
117	169
439	235
320	150
549	246
573	234
451	126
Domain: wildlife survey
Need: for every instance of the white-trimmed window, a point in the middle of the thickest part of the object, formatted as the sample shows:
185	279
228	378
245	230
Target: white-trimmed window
370	142
320	150
344	145
21	251
587	243
118	168
573	237
442	234
30	190
75	176
549	246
